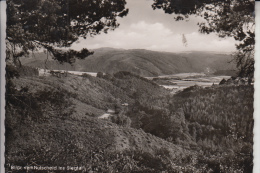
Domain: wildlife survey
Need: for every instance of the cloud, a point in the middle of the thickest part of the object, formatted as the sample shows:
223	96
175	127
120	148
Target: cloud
156	36
211	42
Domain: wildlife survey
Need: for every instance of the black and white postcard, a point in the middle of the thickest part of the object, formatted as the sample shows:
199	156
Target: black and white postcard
142	86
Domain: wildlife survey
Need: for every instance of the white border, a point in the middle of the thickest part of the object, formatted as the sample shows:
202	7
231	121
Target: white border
257	92
2	79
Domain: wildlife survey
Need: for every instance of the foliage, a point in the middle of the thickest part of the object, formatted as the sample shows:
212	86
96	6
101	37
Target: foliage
22	105
35	24
27	71
100	75
121	120
217	121
227	18
220	120
213	127
144	91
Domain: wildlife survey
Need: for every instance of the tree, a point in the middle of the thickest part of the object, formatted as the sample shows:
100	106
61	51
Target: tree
227	18
52	25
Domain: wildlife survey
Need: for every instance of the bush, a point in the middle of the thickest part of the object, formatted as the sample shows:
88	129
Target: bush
85	75
28	71
121	120
100	75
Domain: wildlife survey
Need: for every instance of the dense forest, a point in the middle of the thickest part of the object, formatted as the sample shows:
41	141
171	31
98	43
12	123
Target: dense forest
195	130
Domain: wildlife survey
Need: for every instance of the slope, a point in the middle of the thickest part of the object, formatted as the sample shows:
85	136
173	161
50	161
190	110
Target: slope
141	62
79	138
53	121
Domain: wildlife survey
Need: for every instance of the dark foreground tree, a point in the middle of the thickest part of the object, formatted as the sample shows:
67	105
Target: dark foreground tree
55	24
227	18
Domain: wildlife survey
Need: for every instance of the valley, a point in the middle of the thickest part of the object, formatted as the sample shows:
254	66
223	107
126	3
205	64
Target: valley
141	62
121	119
128	86
71	119
173	82
178	82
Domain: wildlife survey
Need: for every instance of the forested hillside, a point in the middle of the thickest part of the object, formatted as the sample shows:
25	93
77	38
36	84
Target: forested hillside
196	130
141	62
124	119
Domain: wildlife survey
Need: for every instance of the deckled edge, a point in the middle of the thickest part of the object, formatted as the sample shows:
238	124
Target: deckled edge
257	91
2	79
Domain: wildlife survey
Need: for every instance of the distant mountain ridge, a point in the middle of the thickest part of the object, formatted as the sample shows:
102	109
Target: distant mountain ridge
141	62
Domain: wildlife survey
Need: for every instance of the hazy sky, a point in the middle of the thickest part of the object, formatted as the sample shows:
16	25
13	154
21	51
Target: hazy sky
145	28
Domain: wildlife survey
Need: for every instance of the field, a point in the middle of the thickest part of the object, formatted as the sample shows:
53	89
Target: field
180	81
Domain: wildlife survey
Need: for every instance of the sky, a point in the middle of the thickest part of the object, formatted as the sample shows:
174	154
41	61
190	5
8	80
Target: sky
145	28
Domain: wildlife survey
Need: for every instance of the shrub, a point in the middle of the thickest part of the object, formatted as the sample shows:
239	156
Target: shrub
28	71
121	120
100	75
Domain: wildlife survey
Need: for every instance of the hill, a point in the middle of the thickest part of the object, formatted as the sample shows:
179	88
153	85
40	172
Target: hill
58	117
99	94
142	62
56	121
